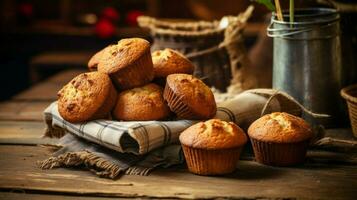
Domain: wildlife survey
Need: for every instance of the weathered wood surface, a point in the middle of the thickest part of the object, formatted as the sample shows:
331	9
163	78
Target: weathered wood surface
65	76
25	129
21	194
23	110
25	132
325	175
318	178
47	90
313	180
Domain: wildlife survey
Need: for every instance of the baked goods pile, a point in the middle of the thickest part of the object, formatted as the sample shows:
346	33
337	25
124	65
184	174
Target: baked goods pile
121	85
128	83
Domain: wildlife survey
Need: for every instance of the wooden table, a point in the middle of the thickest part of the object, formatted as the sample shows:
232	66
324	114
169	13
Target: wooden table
325	175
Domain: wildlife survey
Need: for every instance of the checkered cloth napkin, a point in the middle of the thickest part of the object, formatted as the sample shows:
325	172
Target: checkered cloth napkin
137	137
113	147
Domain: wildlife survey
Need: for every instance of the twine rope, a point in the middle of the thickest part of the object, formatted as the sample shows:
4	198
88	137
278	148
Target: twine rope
268	103
232	34
305	110
220	46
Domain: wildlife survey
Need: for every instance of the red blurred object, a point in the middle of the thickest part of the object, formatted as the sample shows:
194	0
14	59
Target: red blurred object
104	28
111	14
26	9
131	17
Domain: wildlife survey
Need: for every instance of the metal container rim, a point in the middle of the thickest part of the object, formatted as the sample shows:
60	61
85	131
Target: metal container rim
322	12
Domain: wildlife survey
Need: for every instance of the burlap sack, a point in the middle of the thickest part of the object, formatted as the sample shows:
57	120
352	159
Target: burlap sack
252	104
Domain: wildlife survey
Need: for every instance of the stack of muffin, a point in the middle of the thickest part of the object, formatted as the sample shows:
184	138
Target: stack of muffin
129	83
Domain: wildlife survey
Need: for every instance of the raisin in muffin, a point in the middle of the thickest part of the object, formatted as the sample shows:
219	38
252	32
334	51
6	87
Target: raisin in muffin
88	96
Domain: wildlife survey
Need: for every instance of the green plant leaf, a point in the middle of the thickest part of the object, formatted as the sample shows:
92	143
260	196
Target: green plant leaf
267	3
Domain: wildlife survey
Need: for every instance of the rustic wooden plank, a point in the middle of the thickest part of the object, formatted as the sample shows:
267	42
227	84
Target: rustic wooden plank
15	129
65	76
28	141
47	90
61	58
18	170
23	110
18	194
44	91
25	132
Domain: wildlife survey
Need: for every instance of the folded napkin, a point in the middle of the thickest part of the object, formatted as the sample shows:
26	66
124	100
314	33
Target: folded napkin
111	147
74	151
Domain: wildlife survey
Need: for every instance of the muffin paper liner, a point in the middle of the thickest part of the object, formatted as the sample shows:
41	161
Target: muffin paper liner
177	105
279	154
211	162
137	74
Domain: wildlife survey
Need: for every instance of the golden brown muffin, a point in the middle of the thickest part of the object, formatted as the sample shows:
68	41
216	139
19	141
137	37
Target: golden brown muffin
188	97
212	147
280	139
88	96
168	62
141	103
128	63
94	60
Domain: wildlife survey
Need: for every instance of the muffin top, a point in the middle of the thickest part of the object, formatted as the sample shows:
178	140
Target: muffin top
123	54
141	103
280	127
83	96
94	60
168	62
194	93
213	134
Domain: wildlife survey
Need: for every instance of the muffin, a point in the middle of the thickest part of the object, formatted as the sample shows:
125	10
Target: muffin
188	97
212	147
93	62
88	96
141	103
168	62
128	63
280	139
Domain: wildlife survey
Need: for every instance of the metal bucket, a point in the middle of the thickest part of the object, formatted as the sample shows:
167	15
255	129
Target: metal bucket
307	61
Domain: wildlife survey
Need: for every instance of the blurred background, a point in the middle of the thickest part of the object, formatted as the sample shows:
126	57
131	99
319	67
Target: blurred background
40	38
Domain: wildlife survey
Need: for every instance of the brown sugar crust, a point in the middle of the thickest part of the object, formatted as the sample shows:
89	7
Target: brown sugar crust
168	62
280	127
86	97
122	55
141	103
213	134
94	60
193	93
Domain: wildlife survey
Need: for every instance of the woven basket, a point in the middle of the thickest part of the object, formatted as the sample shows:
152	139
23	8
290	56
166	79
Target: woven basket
350	94
217	52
